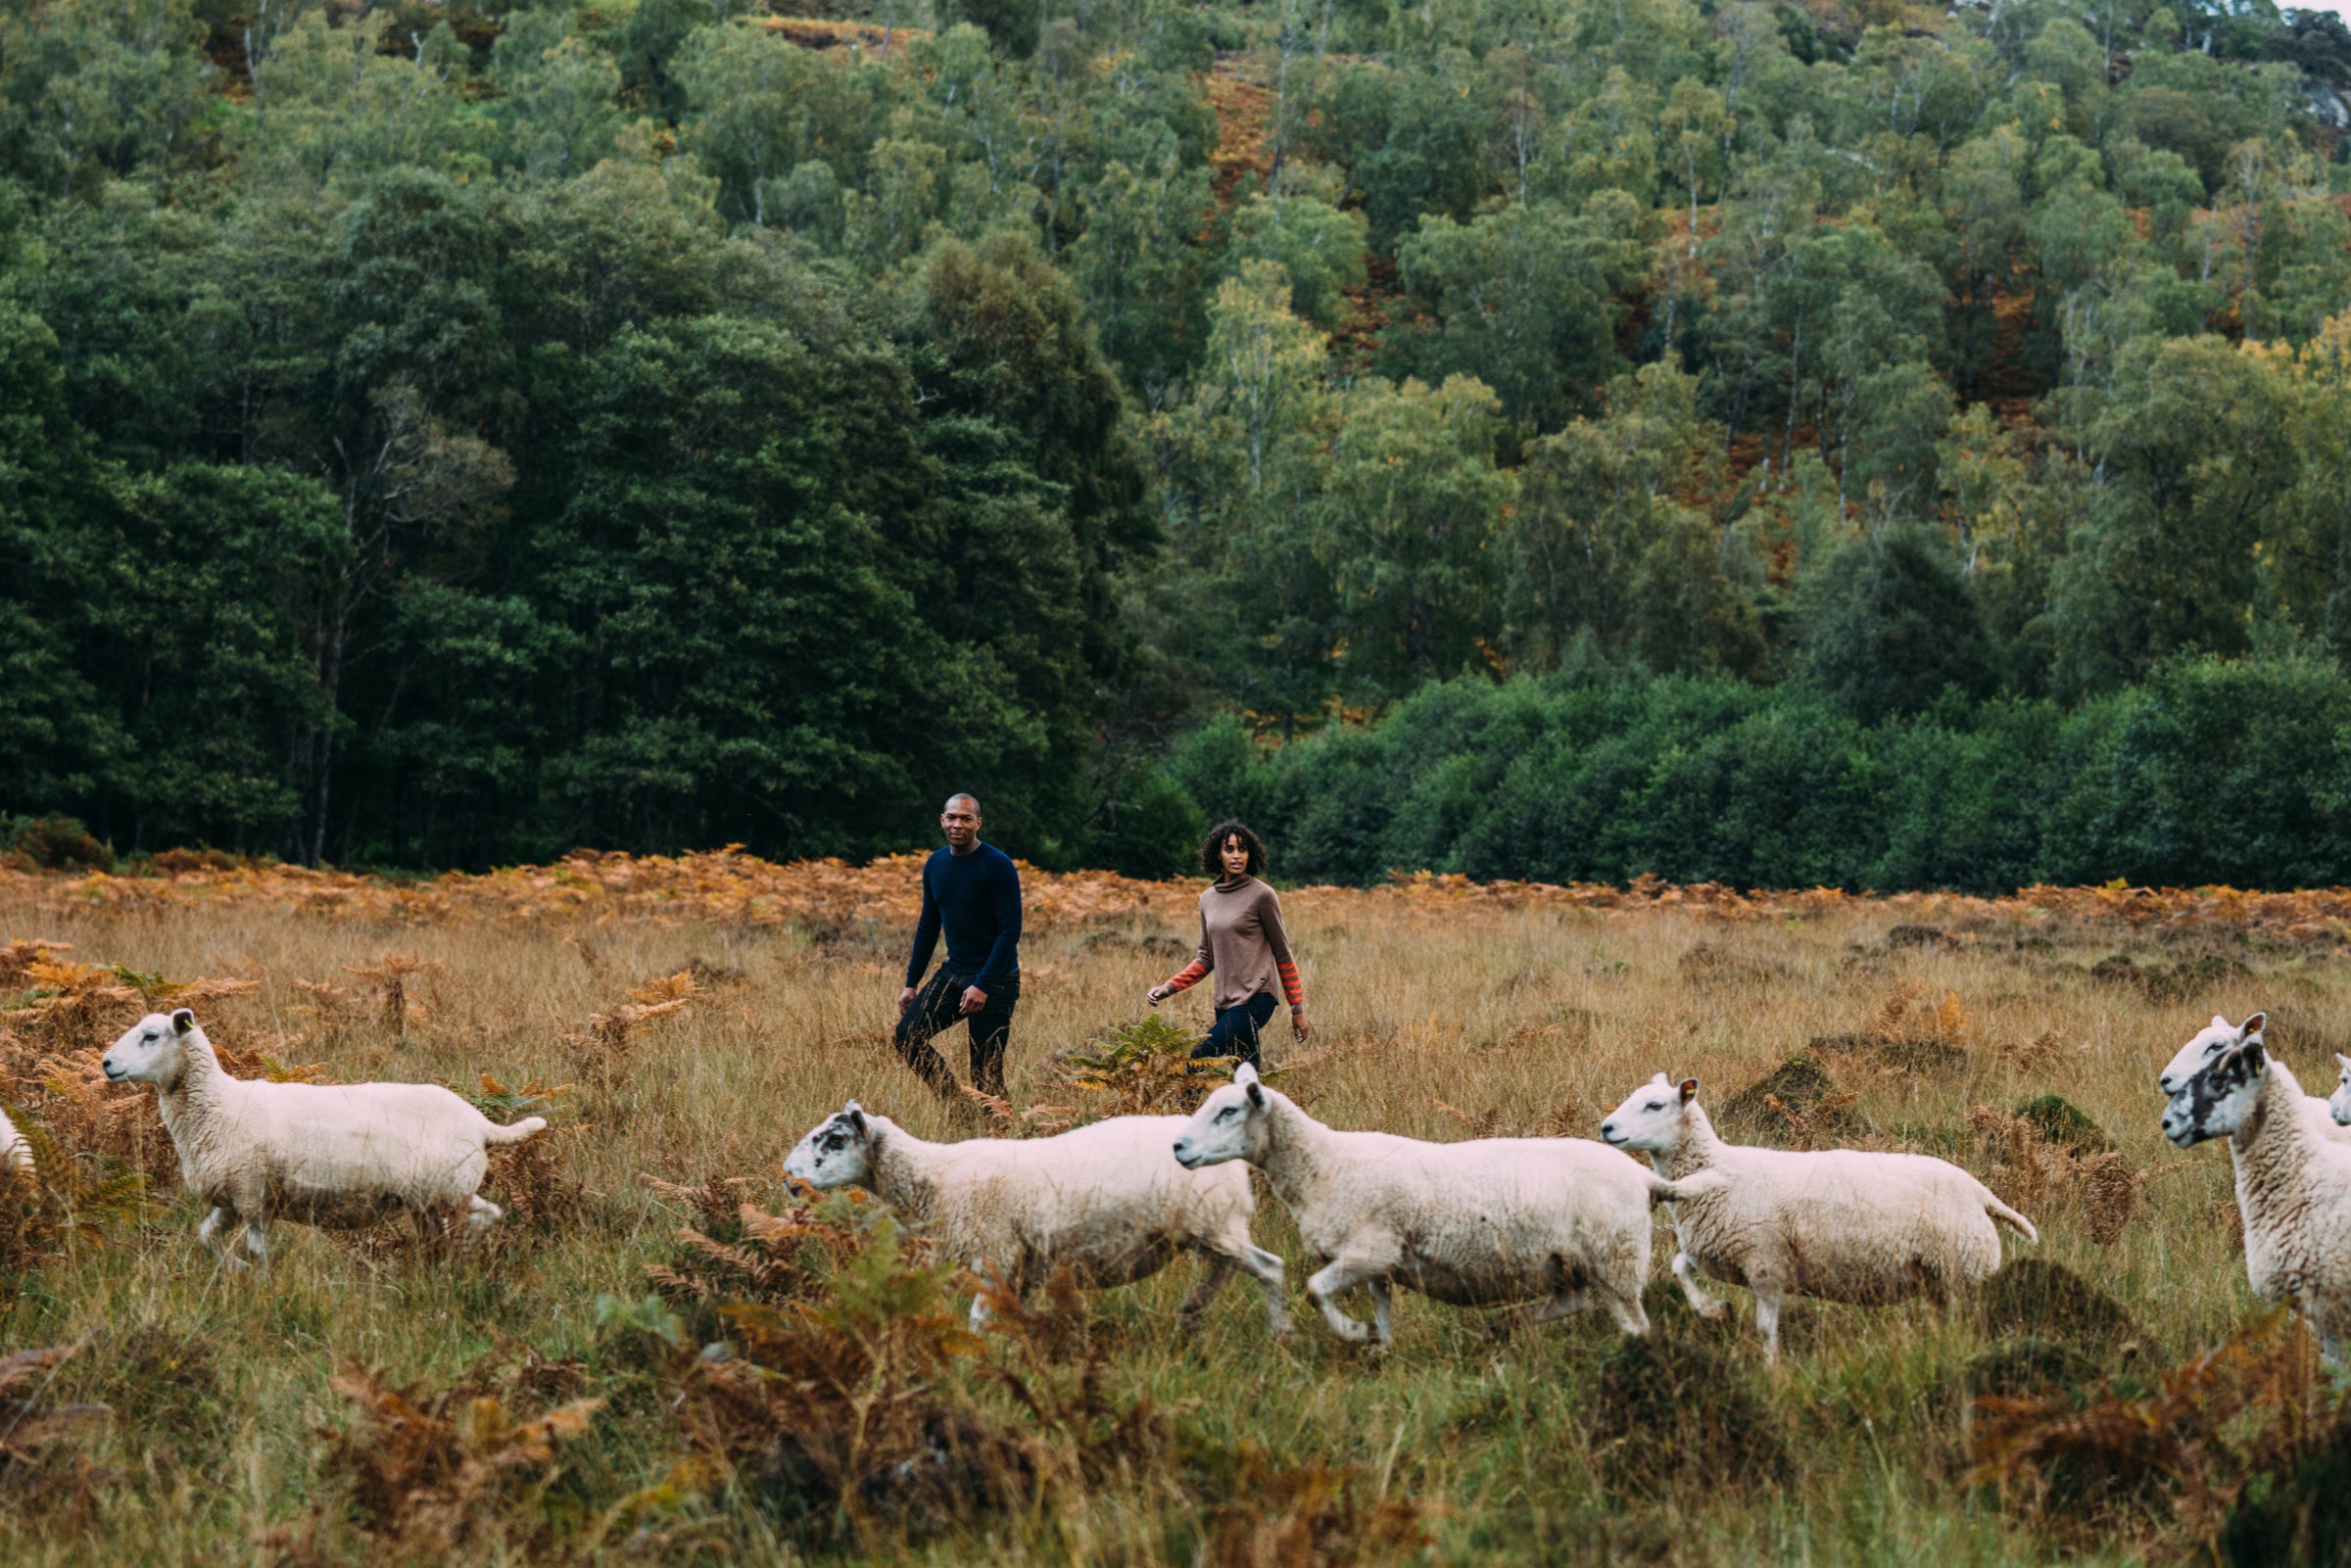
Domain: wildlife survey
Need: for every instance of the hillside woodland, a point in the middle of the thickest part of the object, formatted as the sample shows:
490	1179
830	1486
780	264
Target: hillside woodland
1853	443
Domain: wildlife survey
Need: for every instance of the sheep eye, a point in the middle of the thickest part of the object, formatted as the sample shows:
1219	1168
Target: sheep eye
1225	1114
1656	1105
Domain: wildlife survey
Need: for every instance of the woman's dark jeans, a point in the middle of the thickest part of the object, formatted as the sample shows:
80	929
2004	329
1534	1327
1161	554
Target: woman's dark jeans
1235	1031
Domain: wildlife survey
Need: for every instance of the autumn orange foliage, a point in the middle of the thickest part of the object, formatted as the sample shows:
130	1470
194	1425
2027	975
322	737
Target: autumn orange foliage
725	887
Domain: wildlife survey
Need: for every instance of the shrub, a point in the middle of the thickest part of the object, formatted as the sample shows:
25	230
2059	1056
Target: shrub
53	843
1677	1409
2214	771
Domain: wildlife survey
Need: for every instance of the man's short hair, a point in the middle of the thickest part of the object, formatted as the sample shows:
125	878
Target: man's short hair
963	794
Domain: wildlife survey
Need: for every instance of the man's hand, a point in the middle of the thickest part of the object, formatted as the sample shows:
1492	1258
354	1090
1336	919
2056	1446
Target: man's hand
1156	995
974	999
906	999
1298	1024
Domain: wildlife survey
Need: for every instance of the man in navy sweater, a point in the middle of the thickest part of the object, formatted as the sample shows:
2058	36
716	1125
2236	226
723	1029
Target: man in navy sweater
973	892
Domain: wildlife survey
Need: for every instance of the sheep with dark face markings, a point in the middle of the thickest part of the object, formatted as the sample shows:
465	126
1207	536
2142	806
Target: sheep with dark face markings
334	1154
1486	1223
1837	1224
2293	1183
1104	1199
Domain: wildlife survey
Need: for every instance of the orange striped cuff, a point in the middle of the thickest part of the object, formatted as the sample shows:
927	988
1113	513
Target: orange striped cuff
1189	978
1290	986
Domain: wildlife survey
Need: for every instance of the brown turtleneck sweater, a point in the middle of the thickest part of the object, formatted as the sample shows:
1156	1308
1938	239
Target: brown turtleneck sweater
1241	940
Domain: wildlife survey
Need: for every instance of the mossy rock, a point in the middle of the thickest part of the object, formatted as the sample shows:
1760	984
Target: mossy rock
2177	982
1671	1410
2061	1123
2036	1298
1704	963
2030	1366
2118	970
2195	976
1800	1083
1922	1054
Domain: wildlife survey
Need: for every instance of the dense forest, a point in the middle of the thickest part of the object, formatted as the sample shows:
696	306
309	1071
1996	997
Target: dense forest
1829	442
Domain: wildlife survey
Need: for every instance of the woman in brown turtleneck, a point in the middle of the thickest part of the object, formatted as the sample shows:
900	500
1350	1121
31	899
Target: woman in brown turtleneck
1242	943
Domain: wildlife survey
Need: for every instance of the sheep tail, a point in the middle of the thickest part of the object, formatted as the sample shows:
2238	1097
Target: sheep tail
528	1128
1661	1191
2002	1215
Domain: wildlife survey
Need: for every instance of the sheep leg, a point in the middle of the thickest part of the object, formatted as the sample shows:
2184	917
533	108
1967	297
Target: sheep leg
209	1233
1700	1302
1236	1250
1336	1278
1379	1314
1630	1315
257	1241
480	1216
1220	1269
1768	1321
1561	1304
1265	1268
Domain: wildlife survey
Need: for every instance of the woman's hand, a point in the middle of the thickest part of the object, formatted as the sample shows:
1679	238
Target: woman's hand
1298	1024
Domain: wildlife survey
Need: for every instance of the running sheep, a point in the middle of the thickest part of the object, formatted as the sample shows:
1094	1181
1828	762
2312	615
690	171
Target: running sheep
1104	1199
2293	1184
335	1155
1840	1226
1487	1222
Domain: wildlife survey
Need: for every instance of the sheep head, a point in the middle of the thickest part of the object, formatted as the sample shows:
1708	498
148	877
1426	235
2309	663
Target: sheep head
2339	1101
835	1153
1229	1125
154	1050
1654	1117
2214	1082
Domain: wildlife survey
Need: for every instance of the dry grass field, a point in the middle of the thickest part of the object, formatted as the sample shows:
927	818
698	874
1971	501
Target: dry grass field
545	1398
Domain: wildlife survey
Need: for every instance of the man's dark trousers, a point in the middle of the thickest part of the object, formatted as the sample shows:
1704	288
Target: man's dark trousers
935	1008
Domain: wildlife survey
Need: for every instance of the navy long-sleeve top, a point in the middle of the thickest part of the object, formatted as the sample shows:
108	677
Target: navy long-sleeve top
977	898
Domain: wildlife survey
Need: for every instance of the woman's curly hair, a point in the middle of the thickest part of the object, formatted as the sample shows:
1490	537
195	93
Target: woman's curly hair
1212	850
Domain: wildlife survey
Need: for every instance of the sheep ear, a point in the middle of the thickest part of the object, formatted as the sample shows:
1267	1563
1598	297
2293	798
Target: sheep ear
2253	1026
2254	1053
1689	1090
856	1114
2342	1059
1244	1073
1257	1090
184	1021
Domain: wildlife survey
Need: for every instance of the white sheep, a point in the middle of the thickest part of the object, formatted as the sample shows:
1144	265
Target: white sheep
2338	1104
1104	1199
2293	1184
16	1155
1839	1224
1486	1223
335	1155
